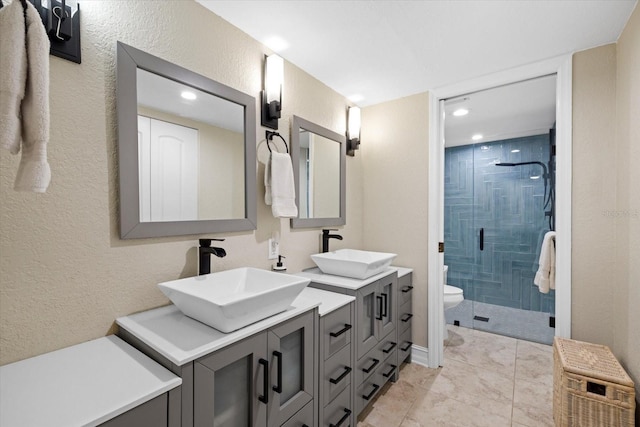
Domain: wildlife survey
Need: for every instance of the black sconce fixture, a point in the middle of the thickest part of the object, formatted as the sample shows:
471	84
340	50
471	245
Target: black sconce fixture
353	130
272	93
62	26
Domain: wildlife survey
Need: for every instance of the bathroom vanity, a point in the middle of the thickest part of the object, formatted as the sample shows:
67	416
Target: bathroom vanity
381	328
102	382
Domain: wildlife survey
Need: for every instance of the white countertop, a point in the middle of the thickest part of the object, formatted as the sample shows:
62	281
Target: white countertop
83	385
318	276
182	339
329	301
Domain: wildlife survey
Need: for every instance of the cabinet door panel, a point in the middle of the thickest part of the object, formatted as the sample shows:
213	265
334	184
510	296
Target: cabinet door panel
368	311
228	384
291	356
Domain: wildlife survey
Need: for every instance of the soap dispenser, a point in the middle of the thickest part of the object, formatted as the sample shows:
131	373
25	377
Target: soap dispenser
279	266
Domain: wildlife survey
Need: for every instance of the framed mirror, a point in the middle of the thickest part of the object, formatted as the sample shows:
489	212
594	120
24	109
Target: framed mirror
319	168
187	150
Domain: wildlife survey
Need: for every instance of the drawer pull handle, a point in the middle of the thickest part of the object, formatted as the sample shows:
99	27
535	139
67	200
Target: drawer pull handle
388	374
379	299
265	381
373	365
341	331
407	317
388	350
347	413
385	304
407	289
370	395
408	346
341	377
278	388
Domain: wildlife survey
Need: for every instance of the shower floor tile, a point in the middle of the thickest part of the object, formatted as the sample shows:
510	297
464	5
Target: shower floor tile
512	322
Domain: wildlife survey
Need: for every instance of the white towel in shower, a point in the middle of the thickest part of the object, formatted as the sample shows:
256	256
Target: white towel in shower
546	275
280	190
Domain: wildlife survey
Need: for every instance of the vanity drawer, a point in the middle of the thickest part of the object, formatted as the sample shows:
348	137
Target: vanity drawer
366	392
304	417
387	370
340	411
405	288
336	330
404	346
367	366
388	347
404	317
337	374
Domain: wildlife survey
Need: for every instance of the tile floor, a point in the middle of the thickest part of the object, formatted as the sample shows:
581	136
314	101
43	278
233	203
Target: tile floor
487	380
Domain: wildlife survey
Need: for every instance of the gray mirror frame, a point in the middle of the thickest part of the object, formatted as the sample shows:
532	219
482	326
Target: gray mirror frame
128	60
298	123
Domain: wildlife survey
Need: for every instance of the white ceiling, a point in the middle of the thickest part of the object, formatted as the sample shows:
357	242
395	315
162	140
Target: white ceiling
375	51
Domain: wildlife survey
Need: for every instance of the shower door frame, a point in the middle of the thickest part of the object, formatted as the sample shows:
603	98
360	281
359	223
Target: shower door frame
561	66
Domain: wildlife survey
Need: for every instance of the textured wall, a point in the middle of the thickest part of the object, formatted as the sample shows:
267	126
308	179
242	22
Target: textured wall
627	219
64	273
510	207
395	152
593	243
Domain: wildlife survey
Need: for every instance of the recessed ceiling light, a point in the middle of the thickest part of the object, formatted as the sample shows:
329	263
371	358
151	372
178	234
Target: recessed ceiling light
534	177
461	112
188	95
477	137
515	151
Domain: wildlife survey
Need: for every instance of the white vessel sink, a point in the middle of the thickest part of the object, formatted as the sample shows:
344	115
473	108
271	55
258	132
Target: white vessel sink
229	300
353	263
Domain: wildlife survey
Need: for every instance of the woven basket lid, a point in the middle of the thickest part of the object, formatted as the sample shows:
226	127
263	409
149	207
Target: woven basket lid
591	360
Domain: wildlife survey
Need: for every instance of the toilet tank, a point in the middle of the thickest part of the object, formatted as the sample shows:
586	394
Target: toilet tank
444	274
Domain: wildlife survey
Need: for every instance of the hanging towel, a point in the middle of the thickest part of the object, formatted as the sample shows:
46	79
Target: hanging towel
280	191
546	275
24	90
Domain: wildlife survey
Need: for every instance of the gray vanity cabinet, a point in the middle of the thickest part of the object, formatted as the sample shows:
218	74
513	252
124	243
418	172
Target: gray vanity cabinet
375	313
405	316
263	380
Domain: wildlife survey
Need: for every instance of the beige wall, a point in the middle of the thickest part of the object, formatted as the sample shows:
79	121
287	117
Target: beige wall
64	273
593	194
626	302
395	146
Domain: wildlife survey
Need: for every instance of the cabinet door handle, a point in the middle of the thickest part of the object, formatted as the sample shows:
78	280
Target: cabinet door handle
407	289
385	297
373	365
370	395
482	239
391	347
347	413
341	331
379	299
407	347
342	375
407	317
265	381
388	374
278	387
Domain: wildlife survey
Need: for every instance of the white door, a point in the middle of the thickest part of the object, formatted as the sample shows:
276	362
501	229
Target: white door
172	191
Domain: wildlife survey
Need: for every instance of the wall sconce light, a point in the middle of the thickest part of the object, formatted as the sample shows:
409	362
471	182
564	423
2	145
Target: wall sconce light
272	93
353	130
62	26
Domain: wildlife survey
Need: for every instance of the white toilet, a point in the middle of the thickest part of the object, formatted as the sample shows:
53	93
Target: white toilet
452	297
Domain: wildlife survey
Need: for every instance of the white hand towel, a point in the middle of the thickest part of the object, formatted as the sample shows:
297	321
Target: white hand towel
267	182
546	275
283	193
24	85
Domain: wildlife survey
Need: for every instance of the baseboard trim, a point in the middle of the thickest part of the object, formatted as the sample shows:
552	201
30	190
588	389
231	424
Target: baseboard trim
420	355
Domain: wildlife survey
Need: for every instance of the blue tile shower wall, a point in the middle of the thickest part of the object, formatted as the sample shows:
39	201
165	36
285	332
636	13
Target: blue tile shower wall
509	205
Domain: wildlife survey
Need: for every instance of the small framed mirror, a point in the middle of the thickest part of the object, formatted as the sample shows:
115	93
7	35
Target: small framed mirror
319	168
187	150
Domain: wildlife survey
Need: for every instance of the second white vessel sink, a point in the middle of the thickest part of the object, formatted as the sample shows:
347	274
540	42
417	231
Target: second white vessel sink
353	263
231	299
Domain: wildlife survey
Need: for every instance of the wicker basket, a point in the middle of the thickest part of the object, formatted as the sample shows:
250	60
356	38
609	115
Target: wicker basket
590	388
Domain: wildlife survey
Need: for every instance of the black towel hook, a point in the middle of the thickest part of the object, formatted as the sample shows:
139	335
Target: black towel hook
270	136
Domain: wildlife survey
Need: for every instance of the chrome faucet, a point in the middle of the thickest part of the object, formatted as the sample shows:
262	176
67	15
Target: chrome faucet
205	251
325	239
